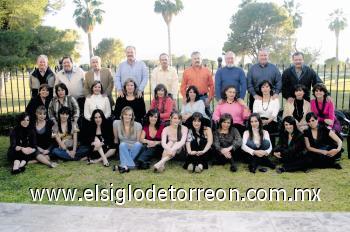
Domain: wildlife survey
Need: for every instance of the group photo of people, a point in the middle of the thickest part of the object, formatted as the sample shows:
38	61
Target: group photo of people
95	117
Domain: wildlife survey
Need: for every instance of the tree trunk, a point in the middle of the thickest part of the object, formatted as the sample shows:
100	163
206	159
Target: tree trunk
169	45
90	44
337	47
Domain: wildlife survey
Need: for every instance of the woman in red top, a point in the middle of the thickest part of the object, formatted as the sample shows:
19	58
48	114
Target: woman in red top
162	102
151	137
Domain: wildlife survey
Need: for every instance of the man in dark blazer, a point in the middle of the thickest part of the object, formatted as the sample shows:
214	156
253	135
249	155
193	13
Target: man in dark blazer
103	75
298	73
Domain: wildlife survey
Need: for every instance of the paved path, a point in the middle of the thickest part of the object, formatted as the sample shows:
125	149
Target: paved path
26	217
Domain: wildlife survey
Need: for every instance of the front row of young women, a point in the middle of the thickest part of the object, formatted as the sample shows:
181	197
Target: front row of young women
317	147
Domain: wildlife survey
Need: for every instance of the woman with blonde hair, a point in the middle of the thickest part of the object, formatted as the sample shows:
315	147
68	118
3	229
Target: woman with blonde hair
127	132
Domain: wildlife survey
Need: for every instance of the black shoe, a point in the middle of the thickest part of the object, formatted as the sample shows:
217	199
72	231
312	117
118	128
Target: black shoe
233	168
262	169
252	169
280	170
122	169
15	171
144	166
22	169
337	166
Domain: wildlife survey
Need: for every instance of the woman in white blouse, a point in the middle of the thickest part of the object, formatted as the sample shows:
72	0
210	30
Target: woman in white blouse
96	101
268	108
193	104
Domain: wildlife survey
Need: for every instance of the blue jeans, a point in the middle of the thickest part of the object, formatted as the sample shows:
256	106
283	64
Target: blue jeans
81	152
128	154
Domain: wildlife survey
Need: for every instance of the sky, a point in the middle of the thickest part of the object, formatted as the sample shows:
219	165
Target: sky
203	26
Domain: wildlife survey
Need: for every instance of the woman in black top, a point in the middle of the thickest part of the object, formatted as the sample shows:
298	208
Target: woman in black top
323	145
227	142
22	144
43	132
42	99
291	148
100	139
199	141
130	99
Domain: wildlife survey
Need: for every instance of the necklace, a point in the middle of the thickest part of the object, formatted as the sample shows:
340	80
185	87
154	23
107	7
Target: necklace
262	104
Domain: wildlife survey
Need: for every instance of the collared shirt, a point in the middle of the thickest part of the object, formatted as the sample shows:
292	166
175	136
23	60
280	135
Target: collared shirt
201	77
230	76
73	80
137	71
258	73
97	76
167	77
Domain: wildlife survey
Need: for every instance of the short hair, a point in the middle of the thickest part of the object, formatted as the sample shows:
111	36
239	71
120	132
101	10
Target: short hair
309	116
22	116
195	53
66	57
230	52
94	84
195	90
42	56
321	87
263	50
298	54
62	86
163	54
43	86
95	58
299	87
130	46
262	84
291	120
41	109
223	92
128	81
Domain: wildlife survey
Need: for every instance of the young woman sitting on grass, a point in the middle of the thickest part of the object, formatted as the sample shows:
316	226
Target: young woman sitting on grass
127	132
22	144
43	133
323	145
291	147
257	145
227	142
67	138
151	137
199	141
173	139
100	139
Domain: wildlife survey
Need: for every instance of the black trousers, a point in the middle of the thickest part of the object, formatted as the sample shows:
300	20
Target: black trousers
295	162
254	161
148	153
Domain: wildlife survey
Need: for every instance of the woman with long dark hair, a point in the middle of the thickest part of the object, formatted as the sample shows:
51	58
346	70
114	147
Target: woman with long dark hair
323	145
130	99
193	104
298	108
323	107
230	105
257	145
173	139
22	144
66	136
42	99
100	139
162	102
291	147
199	141
151	137
227	142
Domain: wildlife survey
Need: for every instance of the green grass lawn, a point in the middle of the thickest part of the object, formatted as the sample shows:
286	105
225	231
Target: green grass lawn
334	184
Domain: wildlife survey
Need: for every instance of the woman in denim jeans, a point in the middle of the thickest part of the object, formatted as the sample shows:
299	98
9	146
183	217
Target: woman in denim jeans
66	136
127	132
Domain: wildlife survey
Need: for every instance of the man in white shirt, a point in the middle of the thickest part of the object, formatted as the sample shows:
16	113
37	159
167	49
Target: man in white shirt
166	75
73	78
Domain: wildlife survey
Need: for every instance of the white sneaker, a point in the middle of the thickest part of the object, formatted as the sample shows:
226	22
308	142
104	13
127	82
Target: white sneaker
199	168
190	167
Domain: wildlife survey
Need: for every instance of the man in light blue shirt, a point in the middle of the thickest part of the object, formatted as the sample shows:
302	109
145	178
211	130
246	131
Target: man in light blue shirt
131	68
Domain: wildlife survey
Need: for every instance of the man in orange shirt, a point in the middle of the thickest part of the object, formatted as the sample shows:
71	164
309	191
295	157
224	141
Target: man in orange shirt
199	76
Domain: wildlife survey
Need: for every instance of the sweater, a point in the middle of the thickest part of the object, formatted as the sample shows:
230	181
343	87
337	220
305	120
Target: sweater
236	110
164	109
138	105
230	76
96	102
328	111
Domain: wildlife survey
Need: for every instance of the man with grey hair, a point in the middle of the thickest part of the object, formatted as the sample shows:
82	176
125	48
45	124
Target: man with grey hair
103	75
131	68
166	75
230	75
42	74
260	72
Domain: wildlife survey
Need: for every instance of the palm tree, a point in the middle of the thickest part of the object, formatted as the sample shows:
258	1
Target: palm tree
87	14
337	24
168	8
